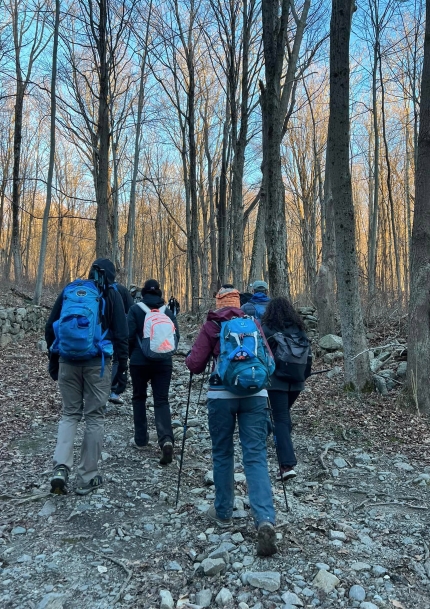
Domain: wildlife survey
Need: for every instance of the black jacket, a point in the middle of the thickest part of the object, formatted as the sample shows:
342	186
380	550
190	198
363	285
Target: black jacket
136	319
277	384
127	298
113	320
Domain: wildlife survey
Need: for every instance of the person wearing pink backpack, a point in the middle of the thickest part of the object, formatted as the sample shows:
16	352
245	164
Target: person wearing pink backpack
153	335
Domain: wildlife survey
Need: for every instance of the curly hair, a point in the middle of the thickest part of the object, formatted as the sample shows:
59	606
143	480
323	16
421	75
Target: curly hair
280	313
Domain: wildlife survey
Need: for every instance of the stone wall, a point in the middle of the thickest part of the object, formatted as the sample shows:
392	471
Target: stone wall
17	321
308	314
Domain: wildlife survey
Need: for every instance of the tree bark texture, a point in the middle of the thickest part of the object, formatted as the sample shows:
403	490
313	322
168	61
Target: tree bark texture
325	291
419	304
103	136
357	368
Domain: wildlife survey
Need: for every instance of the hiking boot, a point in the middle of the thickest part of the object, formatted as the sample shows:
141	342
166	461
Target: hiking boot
167	451
92	485
59	480
115	399
223	523
137	447
286	473
266	539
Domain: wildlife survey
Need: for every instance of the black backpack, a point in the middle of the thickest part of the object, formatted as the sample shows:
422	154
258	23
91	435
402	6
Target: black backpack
291	349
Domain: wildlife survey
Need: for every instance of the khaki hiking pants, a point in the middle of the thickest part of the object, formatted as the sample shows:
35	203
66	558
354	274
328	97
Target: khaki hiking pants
83	393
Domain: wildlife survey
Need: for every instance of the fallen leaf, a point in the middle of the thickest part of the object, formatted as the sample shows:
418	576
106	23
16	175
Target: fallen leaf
397	604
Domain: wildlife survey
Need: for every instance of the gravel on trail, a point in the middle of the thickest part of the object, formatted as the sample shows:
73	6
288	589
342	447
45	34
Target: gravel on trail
357	533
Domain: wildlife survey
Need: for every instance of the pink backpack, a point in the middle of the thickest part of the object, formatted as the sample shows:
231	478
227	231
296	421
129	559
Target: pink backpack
159	334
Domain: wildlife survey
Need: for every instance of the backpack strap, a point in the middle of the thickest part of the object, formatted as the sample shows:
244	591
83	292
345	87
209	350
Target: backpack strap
143	306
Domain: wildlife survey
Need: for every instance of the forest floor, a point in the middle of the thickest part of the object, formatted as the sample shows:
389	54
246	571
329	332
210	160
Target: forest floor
359	508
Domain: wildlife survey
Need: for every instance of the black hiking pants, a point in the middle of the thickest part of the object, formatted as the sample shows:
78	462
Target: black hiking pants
159	374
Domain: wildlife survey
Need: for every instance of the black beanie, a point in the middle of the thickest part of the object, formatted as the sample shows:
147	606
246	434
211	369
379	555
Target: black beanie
151	287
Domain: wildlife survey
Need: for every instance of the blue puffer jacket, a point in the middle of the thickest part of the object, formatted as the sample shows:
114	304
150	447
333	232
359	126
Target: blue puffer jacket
256	307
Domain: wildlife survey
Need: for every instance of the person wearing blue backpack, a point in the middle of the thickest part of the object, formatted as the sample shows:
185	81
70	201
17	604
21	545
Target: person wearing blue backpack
87	323
256	305
237	392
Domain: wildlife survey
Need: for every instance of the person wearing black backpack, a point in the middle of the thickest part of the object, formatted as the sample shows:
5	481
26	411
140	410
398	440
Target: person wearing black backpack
87	324
285	332
145	367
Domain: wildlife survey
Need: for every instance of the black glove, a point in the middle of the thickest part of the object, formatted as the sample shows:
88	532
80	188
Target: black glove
54	366
120	379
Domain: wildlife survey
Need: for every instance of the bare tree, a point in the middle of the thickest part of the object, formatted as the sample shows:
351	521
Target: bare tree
419	303
357	368
276	98
44	236
26	21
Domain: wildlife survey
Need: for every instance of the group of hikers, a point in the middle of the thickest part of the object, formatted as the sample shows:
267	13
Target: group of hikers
257	354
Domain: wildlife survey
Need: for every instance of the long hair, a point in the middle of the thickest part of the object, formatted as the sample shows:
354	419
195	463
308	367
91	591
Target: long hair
280	313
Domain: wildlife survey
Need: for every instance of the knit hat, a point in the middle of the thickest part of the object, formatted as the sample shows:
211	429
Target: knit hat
227	297
151	287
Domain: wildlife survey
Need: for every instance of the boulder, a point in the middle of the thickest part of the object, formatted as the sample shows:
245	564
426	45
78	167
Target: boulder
331	342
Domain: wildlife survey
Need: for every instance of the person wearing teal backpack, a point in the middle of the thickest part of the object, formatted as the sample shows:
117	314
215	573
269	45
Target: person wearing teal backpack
243	364
86	325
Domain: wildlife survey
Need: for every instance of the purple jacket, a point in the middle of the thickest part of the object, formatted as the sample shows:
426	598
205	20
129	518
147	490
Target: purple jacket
207	342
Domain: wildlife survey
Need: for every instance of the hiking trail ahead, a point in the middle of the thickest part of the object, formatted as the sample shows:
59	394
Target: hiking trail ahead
357	534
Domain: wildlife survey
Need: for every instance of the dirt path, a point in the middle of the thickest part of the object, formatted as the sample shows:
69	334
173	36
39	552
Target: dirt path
356	516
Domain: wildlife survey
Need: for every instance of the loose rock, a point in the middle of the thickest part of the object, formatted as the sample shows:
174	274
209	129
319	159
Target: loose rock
166	600
325	581
266	580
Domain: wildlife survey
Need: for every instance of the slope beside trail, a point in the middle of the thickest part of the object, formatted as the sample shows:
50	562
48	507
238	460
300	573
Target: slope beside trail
357	533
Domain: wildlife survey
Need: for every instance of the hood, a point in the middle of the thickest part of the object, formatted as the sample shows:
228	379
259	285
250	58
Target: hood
109	268
152	301
224	314
259	297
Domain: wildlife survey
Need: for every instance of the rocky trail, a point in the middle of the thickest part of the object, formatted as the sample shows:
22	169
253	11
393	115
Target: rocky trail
357	533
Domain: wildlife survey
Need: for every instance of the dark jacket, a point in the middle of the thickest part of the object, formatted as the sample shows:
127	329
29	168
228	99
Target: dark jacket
136	319
113	320
259	298
277	384
207	343
127	298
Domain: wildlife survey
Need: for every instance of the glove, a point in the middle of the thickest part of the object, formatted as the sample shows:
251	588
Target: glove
54	366
120	379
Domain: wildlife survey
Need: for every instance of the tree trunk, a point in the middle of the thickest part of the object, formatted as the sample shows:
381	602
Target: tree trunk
45	222
258	246
356	363
373	236
275	101
325	291
16	185
103	137
419	305
222	206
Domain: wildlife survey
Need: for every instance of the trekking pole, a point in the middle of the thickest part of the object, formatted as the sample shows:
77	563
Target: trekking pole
183	438
277	453
205	375
321	371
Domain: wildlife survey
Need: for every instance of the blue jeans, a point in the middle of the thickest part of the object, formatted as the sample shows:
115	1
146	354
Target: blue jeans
251	416
281	402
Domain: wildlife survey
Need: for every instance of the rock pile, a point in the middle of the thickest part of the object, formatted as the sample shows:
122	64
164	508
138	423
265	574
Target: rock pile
388	362
310	320
16	321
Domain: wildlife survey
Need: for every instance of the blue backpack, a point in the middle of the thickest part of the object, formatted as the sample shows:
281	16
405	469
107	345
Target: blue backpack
78	331
245	362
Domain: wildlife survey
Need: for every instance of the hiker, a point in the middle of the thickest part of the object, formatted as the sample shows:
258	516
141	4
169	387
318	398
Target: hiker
87	323
152	362
228	401
256	305
119	383
174	306
285	332
135	293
